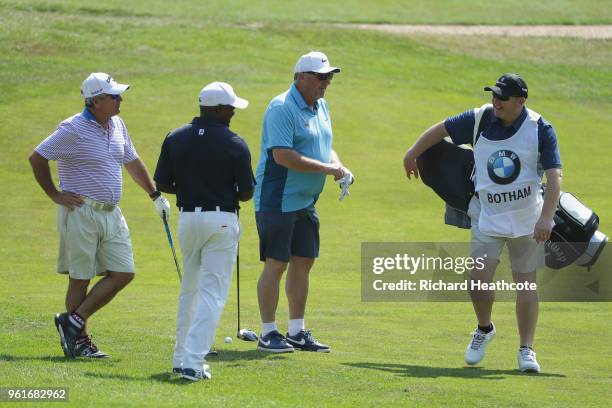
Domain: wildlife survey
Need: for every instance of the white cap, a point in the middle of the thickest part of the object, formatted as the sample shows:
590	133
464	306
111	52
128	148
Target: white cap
221	93
314	61
98	83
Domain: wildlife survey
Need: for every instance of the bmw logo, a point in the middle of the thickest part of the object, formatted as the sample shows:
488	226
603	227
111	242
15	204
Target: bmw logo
503	166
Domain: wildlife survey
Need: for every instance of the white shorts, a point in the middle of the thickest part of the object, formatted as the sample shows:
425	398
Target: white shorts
526	255
93	242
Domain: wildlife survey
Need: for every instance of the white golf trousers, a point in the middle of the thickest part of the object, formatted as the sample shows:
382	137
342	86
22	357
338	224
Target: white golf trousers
209	241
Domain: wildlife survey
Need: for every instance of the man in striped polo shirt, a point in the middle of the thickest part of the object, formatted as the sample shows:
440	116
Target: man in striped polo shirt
90	149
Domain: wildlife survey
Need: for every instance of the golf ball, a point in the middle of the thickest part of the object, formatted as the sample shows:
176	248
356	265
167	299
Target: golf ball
228	340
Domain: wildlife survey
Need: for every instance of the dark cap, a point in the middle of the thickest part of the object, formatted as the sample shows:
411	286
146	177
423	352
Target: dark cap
509	85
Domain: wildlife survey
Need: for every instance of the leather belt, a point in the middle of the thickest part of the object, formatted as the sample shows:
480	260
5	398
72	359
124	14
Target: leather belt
97	205
191	208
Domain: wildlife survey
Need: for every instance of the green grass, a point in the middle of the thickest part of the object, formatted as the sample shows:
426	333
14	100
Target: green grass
380	11
391	89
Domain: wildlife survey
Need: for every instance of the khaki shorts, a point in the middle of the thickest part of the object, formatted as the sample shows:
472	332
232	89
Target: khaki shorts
93	242
526	255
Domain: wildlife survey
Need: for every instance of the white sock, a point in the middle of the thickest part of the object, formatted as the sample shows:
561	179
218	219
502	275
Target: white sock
295	325
267	328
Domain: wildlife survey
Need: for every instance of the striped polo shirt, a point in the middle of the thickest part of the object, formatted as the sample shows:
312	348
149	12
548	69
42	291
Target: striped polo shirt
89	158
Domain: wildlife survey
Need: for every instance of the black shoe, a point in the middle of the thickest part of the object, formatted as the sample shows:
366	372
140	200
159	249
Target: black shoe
177	371
305	341
84	347
274	342
68	334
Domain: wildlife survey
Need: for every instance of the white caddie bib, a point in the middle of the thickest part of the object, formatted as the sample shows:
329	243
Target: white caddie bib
507	181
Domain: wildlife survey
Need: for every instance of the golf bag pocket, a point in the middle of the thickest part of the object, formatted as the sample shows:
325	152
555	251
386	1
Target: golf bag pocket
559	251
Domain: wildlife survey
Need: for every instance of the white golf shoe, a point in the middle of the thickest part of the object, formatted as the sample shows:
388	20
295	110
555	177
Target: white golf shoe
476	349
527	360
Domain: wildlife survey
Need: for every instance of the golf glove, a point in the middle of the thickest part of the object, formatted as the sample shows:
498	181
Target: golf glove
162	205
349	176
344	184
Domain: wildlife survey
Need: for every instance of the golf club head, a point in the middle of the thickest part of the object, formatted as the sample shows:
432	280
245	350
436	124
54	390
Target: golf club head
247	335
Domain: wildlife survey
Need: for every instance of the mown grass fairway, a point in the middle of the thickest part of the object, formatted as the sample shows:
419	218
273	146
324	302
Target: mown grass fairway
390	90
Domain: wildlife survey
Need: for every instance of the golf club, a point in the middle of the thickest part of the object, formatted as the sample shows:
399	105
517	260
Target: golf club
178	269
242	334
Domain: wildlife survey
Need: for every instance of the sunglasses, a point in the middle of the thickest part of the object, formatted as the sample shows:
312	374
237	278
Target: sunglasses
322	77
113	97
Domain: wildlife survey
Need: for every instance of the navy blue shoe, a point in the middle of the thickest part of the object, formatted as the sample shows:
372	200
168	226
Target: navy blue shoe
68	334
196	375
274	342
305	341
177	371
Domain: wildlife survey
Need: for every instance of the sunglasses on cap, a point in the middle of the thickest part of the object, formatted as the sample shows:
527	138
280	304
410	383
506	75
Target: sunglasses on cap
322	77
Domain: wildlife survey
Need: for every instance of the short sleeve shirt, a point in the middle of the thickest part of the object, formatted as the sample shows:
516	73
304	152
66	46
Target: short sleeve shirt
89	158
207	163
461	127
289	123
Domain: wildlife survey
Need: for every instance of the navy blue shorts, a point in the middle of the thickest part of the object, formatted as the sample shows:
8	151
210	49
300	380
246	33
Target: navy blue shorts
282	235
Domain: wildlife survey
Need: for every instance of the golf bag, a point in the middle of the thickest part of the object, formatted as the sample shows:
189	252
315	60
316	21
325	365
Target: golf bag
574	238
446	168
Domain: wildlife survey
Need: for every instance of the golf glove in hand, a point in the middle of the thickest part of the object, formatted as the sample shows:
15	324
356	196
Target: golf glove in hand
349	176
162	205
344	184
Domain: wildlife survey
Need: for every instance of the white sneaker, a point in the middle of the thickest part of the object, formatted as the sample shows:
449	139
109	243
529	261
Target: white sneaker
197	375
476	349
527	360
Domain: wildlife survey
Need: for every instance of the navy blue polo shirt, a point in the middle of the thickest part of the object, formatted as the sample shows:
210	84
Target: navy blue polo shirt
461	127
207	163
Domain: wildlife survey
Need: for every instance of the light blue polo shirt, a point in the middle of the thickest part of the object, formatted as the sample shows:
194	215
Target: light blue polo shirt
290	123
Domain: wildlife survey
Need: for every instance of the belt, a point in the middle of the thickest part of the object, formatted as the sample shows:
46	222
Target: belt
96	205
191	208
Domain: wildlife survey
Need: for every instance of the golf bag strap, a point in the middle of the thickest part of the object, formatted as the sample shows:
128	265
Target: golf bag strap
483	115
